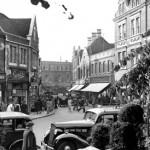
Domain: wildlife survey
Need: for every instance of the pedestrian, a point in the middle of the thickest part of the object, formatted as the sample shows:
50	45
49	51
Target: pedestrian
37	106
29	140
10	107
69	103
17	107
24	108
48	106
76	103
56	102
82	104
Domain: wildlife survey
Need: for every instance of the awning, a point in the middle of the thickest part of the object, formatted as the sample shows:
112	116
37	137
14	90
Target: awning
79	87
96	87
119	74
73	88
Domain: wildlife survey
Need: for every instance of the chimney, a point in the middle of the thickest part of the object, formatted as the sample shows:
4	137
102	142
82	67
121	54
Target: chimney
98	32
93	36
89	40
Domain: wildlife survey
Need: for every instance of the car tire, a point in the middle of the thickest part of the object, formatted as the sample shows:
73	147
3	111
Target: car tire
66	145
17	146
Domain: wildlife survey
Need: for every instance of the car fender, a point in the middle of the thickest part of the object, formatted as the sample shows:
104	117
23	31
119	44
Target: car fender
15	142
72	137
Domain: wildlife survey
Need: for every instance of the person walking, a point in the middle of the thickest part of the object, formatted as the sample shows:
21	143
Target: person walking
17	107
76	103
24	108
69	103
82	104
10	107
29	140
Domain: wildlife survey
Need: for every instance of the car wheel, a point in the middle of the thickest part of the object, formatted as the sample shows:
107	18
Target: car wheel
17	146
66	146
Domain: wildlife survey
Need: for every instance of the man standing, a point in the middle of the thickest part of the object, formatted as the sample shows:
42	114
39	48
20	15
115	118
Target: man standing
24	108
82	104
29	140
10	107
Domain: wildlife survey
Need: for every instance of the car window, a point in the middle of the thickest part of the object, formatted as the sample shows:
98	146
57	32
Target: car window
108	118
8	124
20	123
90	115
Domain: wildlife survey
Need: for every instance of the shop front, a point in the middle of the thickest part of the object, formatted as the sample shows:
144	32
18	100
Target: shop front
17	85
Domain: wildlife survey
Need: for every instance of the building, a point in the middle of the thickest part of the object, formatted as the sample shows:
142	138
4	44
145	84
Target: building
21	56
56	76
101	59
131	21
93	65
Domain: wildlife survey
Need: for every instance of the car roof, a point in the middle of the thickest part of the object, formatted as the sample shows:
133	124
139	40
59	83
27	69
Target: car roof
13	115
104	110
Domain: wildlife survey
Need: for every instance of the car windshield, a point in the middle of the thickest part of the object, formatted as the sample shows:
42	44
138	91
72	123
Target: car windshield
90	116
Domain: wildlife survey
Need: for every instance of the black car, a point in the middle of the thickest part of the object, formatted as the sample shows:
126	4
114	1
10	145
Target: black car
72	135
14	124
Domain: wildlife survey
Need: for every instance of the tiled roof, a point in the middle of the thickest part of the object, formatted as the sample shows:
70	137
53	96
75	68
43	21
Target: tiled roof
18	27
99	45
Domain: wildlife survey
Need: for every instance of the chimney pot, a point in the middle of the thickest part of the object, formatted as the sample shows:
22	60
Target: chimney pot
98	32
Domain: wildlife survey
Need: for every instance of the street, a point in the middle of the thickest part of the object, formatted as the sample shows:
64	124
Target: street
61	114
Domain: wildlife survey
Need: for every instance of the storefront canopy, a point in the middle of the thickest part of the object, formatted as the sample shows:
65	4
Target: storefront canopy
78	88
96	87
74	87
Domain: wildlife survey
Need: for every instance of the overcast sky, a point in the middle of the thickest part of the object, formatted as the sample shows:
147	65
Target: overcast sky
58	34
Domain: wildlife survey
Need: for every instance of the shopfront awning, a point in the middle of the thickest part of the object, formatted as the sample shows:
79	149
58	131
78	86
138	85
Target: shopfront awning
78	88
74	87
96	87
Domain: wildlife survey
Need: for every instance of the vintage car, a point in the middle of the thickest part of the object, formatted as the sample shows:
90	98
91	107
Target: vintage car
72	135
14	124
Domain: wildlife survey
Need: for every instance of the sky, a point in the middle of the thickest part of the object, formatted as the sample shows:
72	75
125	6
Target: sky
57	34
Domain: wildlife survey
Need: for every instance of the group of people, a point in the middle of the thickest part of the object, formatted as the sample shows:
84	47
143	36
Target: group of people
16	106
78	103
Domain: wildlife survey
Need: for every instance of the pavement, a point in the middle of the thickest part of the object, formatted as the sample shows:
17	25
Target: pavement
34	115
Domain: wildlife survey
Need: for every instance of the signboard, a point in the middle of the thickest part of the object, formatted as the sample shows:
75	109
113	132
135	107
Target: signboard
2	76
34	84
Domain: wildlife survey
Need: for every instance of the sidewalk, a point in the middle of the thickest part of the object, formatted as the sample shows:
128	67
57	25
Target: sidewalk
34	115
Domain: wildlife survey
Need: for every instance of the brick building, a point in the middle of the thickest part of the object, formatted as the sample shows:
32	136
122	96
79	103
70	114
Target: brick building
56	76
20	56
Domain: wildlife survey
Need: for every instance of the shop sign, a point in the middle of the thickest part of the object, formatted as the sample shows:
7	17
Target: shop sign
2	76
34	84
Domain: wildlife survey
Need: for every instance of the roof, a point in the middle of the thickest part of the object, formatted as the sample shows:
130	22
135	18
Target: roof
99	45
104	110
18	26
12	115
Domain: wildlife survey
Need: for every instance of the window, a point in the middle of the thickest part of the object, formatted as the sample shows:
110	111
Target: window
124	31
123	54
46	67
137	25
104	66
112	65
108	66
133	3
99	67
120	32
120	9
23	56
95	67
92	69
132	27
137	2
13	54
123	7
119	58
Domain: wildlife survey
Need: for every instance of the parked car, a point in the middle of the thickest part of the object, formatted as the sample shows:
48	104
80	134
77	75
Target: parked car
72	135
14	124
